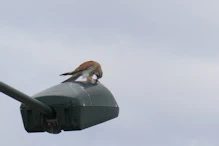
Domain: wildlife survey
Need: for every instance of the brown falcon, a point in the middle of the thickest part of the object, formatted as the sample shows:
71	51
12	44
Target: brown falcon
86	70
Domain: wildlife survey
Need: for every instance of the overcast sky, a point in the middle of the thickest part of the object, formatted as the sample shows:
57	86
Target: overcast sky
160	60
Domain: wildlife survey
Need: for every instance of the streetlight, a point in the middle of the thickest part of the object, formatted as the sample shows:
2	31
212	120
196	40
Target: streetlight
67	106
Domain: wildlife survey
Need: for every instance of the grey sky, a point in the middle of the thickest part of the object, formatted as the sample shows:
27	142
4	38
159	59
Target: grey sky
160	61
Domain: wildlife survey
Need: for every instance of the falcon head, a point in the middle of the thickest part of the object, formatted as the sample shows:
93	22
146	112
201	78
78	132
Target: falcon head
99	75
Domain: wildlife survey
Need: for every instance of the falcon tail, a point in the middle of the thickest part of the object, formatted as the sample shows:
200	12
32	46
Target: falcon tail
72	78
64	74
70	73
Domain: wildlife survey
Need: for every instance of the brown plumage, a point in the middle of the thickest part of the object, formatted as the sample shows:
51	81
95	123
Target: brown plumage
86	70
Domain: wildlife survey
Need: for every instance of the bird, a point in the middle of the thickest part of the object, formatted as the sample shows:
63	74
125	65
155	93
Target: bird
86	70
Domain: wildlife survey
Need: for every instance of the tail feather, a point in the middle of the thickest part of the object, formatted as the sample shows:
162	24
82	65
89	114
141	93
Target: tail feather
73	78
70	73
64	74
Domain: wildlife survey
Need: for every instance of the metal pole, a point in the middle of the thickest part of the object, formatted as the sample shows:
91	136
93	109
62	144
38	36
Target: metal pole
10	91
